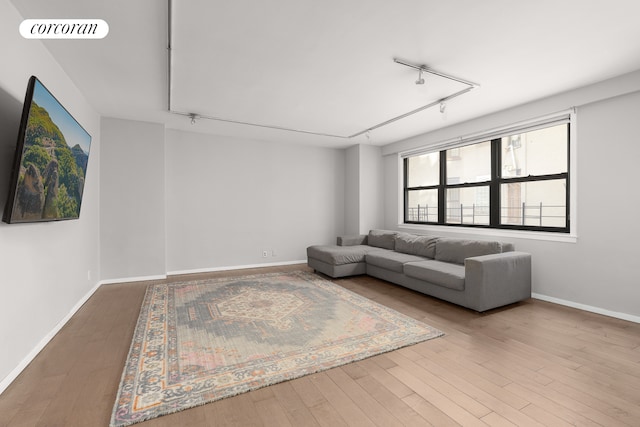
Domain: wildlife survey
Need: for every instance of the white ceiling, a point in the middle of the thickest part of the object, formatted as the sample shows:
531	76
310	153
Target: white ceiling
327	66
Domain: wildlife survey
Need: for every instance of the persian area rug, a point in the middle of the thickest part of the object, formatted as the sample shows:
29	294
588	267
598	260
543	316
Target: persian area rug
200	341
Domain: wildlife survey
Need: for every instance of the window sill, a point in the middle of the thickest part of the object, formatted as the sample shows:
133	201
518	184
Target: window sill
493	232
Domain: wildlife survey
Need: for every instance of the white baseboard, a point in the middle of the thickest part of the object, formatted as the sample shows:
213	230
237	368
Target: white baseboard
592	309
133	279
234	267
198	270
44	341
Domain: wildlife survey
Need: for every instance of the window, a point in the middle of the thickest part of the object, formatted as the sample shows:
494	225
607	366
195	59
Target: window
511	180
423	175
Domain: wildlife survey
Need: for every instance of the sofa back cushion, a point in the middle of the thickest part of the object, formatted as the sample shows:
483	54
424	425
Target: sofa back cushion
382	239
353	240
416	245
457	250
508	247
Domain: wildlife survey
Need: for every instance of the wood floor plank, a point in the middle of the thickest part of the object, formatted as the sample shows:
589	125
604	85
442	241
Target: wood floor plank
238	411
561	345
463	377
497	349
355	370
340	401
526	351
491	401
563	408
383	361
327	416
526	364
453	410
396	406
23	402
442	387
516	372
626	366
308	392
429	412
182	418
295	409
495	420
271	413
625	390
614	377
93	389
474	365
374	369
614	406
544	417
377	413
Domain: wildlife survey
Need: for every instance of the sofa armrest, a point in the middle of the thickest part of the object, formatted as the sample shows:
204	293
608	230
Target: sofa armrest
496	280
352	240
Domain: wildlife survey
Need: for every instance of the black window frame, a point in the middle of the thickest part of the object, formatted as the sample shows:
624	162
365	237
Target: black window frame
494	183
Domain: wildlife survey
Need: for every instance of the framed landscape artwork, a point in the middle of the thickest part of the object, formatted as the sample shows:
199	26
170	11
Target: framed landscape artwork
50	163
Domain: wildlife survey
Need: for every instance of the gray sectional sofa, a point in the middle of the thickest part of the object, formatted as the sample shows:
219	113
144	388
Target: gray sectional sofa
476	274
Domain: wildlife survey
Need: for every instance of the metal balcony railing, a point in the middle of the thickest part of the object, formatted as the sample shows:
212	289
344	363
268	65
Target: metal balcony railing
533	214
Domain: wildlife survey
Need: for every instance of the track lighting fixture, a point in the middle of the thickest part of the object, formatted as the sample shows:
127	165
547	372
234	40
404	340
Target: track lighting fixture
443	107
193	117
420	80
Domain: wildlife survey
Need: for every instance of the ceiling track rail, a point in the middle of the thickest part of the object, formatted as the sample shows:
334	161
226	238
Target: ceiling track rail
193	116
426	69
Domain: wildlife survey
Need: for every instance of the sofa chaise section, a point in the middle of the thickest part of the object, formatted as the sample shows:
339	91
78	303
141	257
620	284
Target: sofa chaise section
338	260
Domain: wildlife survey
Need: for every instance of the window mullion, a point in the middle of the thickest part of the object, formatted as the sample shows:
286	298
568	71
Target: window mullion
568	184
494	187
531	178
405	174
441	188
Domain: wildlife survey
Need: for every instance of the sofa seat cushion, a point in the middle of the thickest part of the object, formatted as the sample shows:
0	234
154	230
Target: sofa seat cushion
339	255
390	260
437	272
457	250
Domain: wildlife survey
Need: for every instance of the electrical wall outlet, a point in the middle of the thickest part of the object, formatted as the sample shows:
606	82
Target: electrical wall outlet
265	253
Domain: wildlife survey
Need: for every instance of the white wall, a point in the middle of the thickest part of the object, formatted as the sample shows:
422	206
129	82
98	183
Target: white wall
597	271
46	269
371	184
364	200
352	190
132	200
228	199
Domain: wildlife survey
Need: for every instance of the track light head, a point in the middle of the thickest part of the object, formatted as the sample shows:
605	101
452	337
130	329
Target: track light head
443	107
193	118
420	80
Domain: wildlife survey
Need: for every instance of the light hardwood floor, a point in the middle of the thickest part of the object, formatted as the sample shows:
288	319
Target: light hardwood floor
532	363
